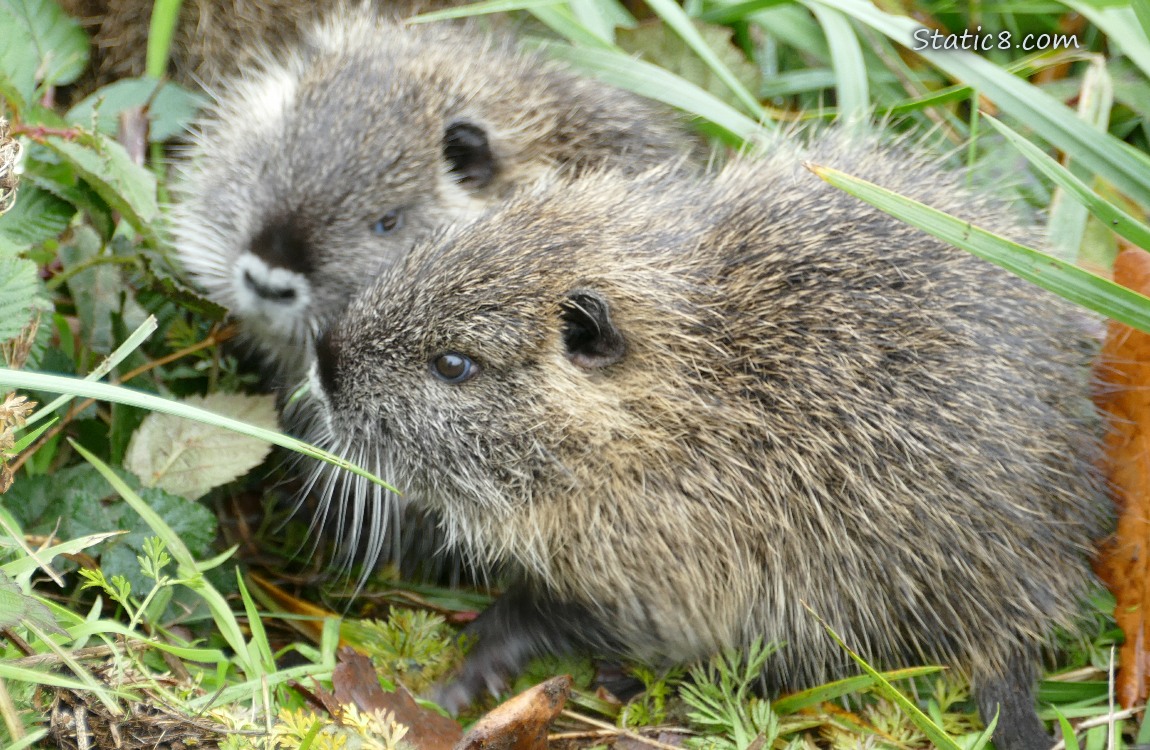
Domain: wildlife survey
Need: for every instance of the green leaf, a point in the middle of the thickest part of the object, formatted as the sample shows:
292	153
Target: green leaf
104	164
592	15
1122	27
831	691
1142	12
189	458
562	21
725	14
1069	739
29	740
73	504
934	733
95	286
25	565
19	290
1067	221
37	216
222	614
170	108
1062	278
130	344
165	16
54	46
481	8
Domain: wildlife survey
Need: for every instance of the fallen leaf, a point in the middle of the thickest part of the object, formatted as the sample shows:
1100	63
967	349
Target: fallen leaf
355	682
1124	561
520	723
188	458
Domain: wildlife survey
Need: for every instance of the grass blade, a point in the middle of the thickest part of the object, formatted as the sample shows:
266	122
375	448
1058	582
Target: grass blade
1102	154
1058	276
1121	26
119	355
681	23
479	9
120	395
656	83
852	93
1108	213
187	570
934	732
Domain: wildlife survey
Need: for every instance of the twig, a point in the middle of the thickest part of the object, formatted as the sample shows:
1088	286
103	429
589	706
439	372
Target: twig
618	731
91	652
1097	721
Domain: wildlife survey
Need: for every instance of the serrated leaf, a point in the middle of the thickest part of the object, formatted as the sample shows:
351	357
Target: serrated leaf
17	608
190	458
40	43
75	503
170	107
658	44
36	217
104	164
95	287
19	287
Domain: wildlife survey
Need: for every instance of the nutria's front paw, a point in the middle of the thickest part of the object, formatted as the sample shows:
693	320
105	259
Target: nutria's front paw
465	688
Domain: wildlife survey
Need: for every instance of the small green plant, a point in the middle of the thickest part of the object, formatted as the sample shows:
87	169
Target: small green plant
650	707
413	647
723	707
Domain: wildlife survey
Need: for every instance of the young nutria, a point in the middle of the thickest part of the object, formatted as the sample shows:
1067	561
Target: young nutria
317	171
680	408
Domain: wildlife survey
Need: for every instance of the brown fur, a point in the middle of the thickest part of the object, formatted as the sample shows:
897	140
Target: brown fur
812	403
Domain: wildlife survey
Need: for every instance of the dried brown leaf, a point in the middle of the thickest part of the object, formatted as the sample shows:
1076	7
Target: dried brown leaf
520	723
1124	561
355	682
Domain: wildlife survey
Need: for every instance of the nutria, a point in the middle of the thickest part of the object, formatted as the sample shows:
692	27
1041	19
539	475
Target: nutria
680	408
317	170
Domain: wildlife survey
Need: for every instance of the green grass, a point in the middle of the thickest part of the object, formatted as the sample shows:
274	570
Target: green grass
113	308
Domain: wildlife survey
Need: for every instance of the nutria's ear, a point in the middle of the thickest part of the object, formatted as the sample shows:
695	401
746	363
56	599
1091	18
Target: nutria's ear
589	335
468	154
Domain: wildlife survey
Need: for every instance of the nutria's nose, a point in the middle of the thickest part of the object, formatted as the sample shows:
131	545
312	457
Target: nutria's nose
281	245
326	356
270	292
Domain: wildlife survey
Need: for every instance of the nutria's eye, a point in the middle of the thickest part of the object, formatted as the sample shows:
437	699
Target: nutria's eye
453	368
389	222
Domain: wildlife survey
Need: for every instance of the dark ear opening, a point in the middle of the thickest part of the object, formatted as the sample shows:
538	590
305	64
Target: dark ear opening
589	335
469	154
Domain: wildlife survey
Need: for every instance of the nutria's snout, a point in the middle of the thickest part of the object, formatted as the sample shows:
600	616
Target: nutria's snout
280	244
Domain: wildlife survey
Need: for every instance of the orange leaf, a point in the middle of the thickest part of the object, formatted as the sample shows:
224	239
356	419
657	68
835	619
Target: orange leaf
1124	561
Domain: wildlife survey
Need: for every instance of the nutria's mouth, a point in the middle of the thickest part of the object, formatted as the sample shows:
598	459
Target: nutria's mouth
267	292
